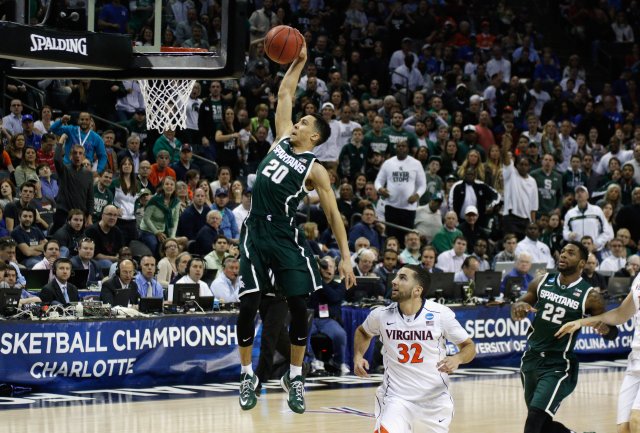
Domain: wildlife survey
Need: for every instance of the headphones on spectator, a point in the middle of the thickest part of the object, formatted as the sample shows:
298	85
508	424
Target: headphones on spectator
135	265
359	254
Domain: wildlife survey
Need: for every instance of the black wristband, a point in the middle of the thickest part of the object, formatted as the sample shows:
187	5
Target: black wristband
612	334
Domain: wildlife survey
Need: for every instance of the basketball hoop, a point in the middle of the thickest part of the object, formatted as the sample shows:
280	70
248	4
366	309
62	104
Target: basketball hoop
166	101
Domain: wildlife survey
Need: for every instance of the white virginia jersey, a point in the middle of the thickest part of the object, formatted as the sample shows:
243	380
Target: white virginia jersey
411	348
634	357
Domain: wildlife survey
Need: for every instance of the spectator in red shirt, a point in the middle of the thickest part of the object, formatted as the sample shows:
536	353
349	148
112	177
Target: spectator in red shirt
160	169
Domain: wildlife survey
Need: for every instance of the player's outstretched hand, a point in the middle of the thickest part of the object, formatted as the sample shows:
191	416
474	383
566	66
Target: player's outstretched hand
360	367
346	273
568	328
448	365
601	328
519	310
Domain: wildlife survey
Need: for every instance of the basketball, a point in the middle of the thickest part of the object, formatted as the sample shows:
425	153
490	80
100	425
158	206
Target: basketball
282	44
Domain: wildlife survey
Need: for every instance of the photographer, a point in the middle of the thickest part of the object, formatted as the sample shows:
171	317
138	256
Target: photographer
327	315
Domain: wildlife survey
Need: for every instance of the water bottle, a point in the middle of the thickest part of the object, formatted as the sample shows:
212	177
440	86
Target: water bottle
79	310
216	304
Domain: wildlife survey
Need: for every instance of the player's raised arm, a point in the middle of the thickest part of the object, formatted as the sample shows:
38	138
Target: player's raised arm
616	316
320	179
286	94
524	305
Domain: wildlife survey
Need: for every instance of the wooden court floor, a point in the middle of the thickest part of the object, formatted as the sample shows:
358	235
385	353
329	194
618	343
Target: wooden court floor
482	404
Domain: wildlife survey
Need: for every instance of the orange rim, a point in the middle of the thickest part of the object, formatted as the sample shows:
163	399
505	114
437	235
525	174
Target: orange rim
183	50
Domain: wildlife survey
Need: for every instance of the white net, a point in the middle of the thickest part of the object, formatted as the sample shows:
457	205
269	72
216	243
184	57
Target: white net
165	102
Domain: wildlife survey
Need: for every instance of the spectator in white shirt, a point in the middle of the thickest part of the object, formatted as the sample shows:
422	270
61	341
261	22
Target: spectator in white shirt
499	64
195	271
569	146
451	260
226	286
467	271
520	192
586	219
617	259
614	151
401	181
539	251
12	123
241	212
328	153
398	56
429	218
407	78
621	29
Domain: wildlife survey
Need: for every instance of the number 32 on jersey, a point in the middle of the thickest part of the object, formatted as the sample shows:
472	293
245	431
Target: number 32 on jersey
275	171
412	354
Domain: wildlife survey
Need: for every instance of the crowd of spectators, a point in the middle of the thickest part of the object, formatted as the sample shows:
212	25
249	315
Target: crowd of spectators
460	138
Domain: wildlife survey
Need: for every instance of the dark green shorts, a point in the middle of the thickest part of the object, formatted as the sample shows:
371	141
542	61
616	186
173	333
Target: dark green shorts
275	254
547	380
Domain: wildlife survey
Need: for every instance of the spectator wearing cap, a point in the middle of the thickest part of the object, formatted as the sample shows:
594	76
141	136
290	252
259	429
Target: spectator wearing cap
538	250
469	142
398	57
241	211
228	226
471	230
586	219
328	152
429	217
549	183
194	217
185	163
443	239
401	181
473	193
520	192
32	139
12	122
434	182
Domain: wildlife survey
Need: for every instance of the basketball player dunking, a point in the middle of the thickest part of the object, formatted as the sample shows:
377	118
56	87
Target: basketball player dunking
270	239
549	368
413	331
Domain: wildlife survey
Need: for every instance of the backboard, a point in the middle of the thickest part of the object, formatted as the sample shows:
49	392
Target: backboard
118	39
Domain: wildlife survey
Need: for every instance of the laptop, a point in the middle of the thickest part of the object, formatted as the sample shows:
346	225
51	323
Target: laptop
206	303
121	298
487	283
535	267
442	286
504	267
79	278
151	305
36	278
366	287
619	287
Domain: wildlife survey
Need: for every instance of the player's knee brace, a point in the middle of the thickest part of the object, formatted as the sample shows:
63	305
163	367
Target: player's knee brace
298	328
536	420
249	304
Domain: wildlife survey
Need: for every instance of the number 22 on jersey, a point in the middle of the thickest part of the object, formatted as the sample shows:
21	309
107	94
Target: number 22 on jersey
411	353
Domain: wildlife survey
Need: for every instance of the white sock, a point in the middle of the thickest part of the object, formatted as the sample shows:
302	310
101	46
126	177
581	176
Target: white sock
247	369
294	371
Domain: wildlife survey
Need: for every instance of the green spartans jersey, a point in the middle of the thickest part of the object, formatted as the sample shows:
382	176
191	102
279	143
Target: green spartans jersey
280	179
557	304
549	190
377	143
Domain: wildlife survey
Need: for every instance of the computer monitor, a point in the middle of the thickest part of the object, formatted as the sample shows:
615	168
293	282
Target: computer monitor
487	284
185	292
618	287
151	305
121	298
206	303
442	286
366	287
79	278
36	278
9	300
513	286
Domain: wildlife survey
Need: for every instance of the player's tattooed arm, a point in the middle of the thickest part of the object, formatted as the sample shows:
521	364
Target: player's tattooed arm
524	305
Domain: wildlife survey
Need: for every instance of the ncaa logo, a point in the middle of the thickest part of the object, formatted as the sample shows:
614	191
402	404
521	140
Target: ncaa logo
428	316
